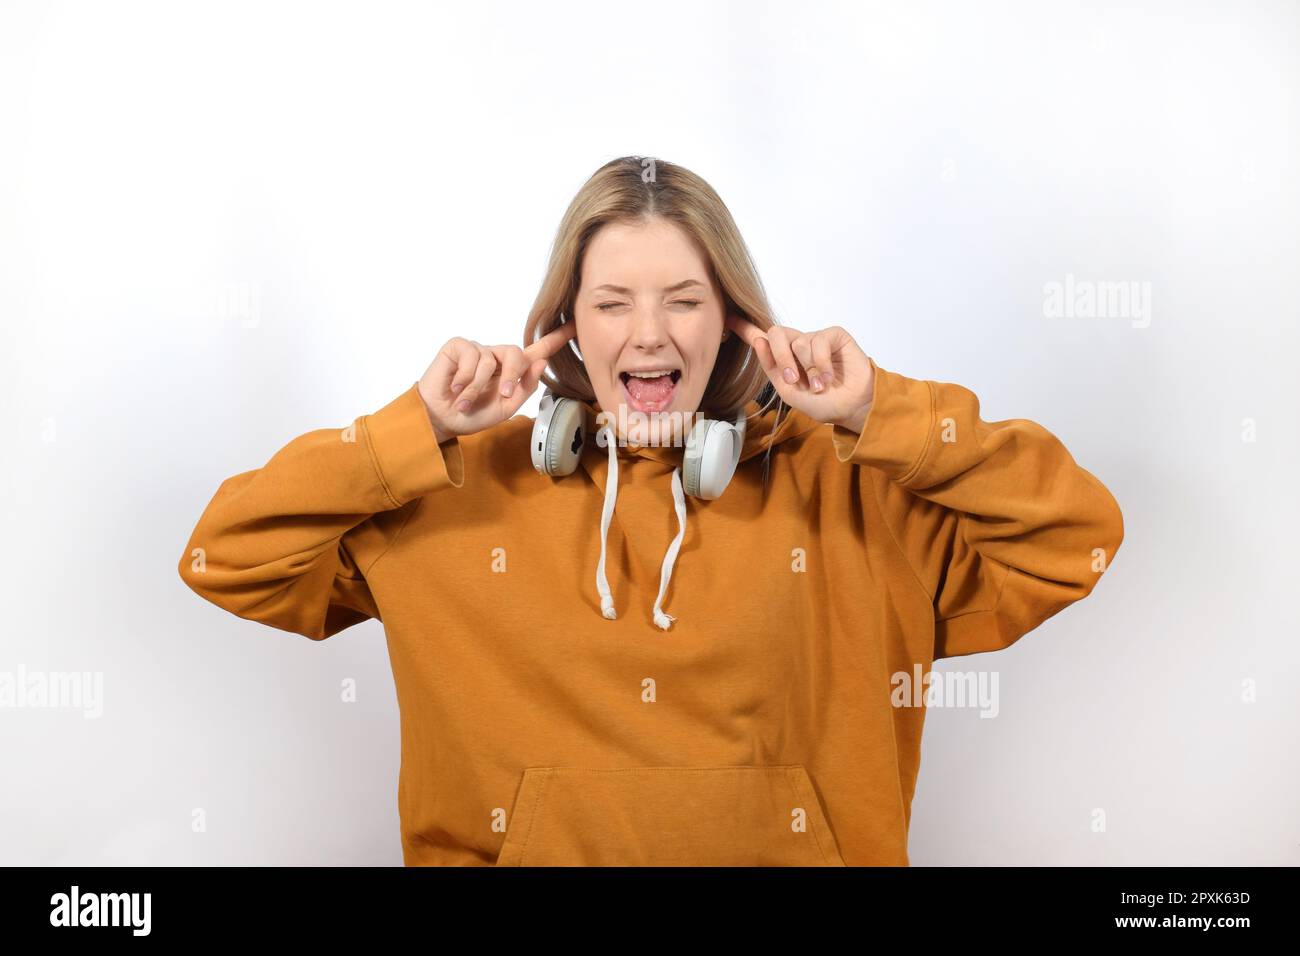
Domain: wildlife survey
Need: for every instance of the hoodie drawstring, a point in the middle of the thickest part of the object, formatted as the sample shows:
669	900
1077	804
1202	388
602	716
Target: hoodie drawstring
670	556
611	493
662	619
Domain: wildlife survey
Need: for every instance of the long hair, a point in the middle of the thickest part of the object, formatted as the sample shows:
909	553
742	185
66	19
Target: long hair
633	189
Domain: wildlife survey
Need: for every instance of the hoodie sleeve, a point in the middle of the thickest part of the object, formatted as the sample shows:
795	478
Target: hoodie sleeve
280	544
1000	525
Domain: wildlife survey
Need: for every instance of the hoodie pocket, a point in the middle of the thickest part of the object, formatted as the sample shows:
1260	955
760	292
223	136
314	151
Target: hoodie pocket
668	816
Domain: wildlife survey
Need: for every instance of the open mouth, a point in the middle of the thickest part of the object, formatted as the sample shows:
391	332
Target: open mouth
650	391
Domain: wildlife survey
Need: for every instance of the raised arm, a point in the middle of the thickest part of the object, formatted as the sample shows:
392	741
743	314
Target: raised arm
289	544
1000	524
279	544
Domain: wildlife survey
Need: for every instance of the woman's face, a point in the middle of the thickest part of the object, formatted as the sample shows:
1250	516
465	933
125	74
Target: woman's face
647	303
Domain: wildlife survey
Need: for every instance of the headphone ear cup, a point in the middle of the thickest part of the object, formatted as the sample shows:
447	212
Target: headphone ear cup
558	435
712	454
691	460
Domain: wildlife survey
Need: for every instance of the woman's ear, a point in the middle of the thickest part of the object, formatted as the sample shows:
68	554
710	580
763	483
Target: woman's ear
732	319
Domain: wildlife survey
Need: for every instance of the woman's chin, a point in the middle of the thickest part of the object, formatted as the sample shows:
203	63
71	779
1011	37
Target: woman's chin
639	430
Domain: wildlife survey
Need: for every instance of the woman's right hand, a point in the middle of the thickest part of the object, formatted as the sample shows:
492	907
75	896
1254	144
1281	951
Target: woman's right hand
470	387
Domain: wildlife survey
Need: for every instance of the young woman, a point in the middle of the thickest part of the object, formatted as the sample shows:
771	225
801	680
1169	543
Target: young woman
873	524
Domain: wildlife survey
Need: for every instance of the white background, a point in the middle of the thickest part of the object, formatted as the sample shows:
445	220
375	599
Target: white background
223	225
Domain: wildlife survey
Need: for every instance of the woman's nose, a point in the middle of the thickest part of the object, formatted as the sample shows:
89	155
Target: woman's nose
649	328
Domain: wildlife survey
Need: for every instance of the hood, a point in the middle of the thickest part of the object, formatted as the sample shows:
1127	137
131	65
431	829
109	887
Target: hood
602	465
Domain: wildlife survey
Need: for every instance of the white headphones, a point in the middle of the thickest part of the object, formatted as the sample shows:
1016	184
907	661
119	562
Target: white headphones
712	448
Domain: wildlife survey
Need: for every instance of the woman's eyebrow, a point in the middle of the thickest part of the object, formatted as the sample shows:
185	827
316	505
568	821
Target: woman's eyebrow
626	291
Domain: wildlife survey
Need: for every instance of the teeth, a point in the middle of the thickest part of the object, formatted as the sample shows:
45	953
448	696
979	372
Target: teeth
658	374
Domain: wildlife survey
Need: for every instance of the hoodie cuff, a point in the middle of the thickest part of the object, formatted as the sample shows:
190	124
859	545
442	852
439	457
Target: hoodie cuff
405	450
898	429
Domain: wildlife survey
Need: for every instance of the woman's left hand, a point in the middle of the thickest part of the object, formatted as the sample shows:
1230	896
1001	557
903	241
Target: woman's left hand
823	374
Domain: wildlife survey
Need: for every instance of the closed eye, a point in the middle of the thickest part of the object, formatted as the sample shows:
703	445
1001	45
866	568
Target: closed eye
606	306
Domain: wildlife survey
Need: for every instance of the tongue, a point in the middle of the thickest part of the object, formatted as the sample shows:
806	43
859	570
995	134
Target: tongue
650	390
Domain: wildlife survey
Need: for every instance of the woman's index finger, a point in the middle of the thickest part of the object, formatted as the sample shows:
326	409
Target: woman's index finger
551	342
746	329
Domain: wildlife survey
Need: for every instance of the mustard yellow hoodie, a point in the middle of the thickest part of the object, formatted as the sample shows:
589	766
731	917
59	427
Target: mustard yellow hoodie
760	727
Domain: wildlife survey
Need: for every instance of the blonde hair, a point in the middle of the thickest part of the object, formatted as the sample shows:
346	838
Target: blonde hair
634	189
